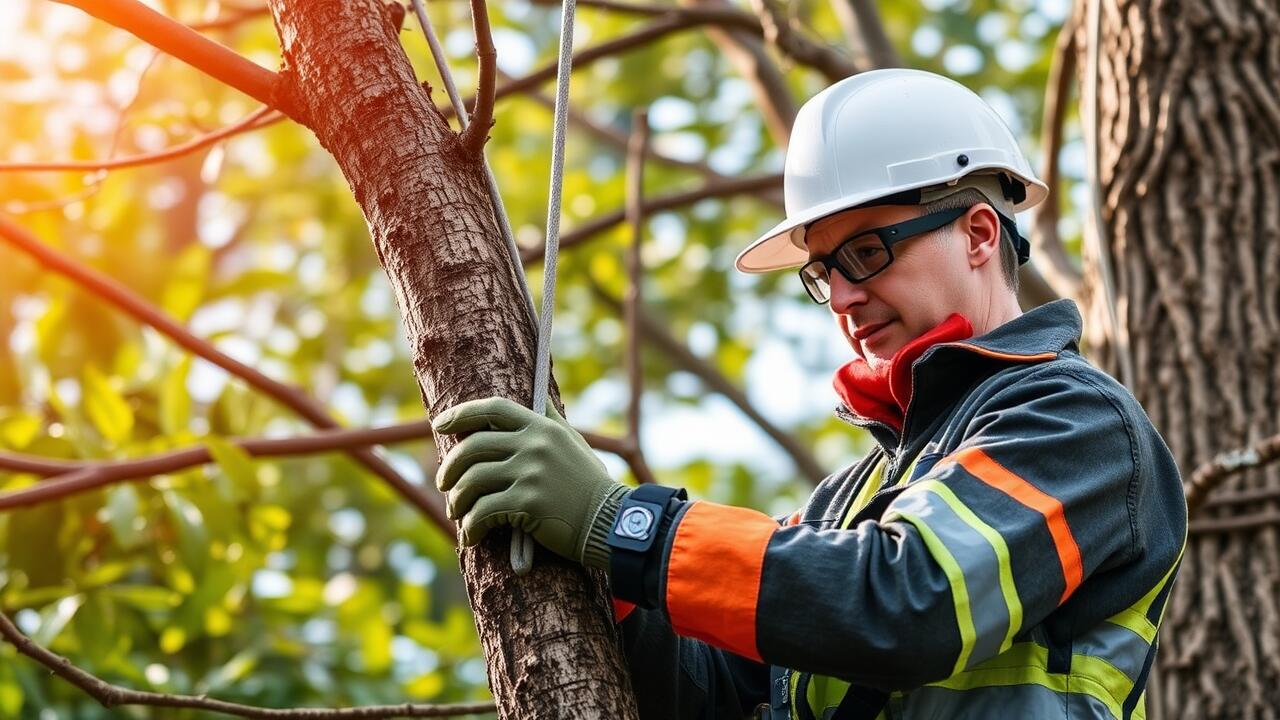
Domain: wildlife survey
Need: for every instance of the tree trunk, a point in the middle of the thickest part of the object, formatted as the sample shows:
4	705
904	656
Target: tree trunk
549	637
1189	148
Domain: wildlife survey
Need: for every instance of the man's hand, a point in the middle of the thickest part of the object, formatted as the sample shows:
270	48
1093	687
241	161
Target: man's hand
531	472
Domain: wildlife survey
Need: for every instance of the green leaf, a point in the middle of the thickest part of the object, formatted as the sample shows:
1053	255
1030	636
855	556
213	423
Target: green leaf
19	430
193	537
231	672
185	289
122	516
147	598
236	463
175	401
54	618
106	407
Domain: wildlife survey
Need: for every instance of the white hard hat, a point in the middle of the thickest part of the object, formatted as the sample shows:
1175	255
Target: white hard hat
885	133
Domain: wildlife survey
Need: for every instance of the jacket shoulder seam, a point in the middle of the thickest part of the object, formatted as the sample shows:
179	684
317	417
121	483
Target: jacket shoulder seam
1131	491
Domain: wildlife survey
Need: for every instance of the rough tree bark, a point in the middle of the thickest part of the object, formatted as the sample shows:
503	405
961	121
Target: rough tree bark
549	637
1190	150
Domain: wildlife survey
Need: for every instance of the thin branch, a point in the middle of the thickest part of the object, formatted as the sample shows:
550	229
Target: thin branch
189	46
1060	270
291	397
618	139
235	18
865	33
791	42
748	54
625	449
1211	474
475	134
72	478
1232	524
113	695
637	150
683	358
593	227
670	20
260	118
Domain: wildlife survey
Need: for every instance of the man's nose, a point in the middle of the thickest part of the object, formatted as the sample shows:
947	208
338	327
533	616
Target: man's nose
845	294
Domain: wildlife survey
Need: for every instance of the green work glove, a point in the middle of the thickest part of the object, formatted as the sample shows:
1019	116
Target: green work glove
530	472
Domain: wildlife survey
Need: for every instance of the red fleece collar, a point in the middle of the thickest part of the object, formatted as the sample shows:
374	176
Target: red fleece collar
885	395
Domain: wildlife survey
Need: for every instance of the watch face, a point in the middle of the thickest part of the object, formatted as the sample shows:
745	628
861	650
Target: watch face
635	523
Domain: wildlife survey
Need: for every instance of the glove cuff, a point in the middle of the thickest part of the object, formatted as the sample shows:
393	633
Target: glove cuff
596	551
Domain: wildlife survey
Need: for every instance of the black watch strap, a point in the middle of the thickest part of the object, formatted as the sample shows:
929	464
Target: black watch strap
635	530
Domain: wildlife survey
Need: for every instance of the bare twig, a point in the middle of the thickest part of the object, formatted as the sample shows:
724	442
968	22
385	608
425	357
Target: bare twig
71	478
475	134
291	397
747	53
1232	524
1211	474
180	41
1059	271
682	357
232	19
865	33
791	42
719	188
625	449
113	695
262	117
637	150
670	20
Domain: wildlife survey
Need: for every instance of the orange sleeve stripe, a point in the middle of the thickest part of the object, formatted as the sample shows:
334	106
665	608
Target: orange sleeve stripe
621	609
713	575
982	466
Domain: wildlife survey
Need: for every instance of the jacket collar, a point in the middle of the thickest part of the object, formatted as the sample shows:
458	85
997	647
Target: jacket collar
1037	335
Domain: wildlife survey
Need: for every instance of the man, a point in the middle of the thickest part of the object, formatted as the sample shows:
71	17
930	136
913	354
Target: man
1006	549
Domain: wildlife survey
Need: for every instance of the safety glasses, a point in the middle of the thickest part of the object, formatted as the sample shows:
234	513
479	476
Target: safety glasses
868	253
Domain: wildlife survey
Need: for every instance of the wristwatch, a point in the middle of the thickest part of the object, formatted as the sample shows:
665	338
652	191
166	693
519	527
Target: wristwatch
635	529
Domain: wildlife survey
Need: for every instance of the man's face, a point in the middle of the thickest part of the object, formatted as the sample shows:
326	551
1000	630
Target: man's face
929	278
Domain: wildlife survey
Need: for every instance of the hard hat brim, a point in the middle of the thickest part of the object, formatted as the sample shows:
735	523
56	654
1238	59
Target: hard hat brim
783	246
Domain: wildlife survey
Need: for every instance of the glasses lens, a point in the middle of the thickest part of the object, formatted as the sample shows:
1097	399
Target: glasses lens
863	256
816	281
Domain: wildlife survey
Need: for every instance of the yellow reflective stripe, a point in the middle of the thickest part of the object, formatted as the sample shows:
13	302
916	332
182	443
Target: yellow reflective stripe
1025	663
955	577
1007	588
1131	619
869	488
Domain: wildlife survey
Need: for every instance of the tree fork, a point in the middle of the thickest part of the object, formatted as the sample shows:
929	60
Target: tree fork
549	637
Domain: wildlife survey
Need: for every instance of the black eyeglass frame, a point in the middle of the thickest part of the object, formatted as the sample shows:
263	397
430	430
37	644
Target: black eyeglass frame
889	235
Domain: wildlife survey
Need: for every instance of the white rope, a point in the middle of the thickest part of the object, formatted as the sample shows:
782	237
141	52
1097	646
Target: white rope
521	544
1092	128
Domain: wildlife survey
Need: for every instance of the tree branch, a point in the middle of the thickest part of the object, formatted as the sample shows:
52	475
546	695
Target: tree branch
180	41
782	34
293	398
260	118
1211	474
607	221
682	357
113	695
670	20
1059	270
747	53
865	33
476	133
72	477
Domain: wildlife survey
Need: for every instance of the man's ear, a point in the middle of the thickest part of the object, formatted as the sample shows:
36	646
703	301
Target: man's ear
981	225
